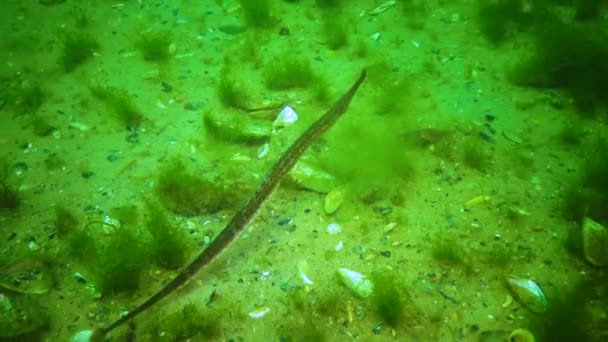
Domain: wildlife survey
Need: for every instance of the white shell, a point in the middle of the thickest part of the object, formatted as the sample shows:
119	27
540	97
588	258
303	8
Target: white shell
333	228
286	117
82	336
359	284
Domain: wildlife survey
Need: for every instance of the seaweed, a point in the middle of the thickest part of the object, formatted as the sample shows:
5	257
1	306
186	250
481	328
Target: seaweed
168	242
257	13
121	104
154	46
289	72
476	156
65	221
184	194
119	263
77	49
188	323
9	197
41	126
335	32
447	252
587	195
230	92
389	299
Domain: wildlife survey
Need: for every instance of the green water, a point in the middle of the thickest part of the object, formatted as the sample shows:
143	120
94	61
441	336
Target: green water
132	131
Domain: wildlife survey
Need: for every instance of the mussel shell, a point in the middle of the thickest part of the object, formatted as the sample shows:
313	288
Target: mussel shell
528	293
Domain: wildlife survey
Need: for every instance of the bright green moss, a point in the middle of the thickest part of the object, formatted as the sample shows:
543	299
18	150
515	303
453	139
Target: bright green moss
77	48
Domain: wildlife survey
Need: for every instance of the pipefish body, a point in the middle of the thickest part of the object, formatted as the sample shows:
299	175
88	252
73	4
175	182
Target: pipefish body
246	213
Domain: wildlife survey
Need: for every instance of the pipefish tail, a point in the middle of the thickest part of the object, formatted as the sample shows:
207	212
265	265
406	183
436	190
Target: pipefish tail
249	209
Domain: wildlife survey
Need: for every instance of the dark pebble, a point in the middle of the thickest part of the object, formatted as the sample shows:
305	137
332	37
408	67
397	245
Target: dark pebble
20	168
485	136
166	87
386	254
112	157
490	117
307	211
377	330
87	174
132	138
284	222
284	31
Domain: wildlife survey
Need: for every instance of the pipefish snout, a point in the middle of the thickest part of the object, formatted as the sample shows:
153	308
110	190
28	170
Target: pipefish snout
243	216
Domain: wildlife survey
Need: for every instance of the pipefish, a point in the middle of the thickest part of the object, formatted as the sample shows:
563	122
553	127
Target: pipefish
244	215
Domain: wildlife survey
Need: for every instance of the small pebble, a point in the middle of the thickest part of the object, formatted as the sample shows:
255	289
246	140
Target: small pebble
490	117
132	138
284	31
386	254
284	222
334	228
87	174
166	87
20	168
377	330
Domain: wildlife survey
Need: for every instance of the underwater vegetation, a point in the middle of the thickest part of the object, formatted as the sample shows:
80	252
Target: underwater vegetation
389	298
22	96
232	93
184	194
573	314
289	72
120	104
65	221
120	260
24	318
154	46
236	128
570	58
448	252
567	55
335	32
9	197
587	195
476	156
77	48
41	126
188	323
168	242
257	13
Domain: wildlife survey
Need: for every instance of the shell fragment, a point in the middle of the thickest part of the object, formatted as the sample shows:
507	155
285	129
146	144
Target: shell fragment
595	243
286	117
334	200
359	284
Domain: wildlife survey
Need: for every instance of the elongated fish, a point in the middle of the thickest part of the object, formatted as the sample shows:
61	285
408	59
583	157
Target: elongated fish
245	214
